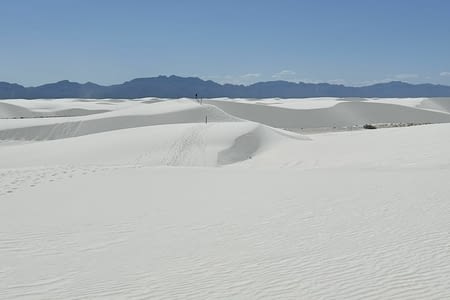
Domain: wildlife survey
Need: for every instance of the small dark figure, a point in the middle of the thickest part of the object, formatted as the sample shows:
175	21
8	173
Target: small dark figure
369	126
206	119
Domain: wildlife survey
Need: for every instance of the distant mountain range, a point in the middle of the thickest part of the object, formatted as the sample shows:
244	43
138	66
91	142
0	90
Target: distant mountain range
177	87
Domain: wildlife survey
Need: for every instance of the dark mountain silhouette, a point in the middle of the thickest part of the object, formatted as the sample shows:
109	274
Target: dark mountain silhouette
176	87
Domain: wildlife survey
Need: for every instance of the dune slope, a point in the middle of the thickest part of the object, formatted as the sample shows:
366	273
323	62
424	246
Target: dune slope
342	114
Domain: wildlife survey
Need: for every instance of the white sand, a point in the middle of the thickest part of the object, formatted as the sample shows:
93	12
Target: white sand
146	201
436	104
342	114
301	103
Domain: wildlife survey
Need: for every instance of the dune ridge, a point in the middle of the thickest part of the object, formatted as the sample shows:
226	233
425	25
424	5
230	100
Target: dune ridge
342	114
65	128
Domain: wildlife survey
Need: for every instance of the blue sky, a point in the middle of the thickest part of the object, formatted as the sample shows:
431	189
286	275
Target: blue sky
353	42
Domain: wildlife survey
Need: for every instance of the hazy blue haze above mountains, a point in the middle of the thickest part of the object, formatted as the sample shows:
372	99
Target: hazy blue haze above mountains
177	87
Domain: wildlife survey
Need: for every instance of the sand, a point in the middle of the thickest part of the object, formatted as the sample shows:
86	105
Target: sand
142	199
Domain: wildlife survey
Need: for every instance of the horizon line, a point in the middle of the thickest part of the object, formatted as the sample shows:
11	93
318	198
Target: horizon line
225	83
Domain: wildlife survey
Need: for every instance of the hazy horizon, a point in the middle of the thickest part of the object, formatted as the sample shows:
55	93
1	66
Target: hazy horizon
387	81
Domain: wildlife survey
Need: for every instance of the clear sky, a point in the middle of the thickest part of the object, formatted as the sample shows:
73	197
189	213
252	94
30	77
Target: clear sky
353	42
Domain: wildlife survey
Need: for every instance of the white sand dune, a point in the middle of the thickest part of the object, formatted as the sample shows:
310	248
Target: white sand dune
52	105
435	104
14	111
410	102
127	233
144	200
392	148
347	113
8	111
189	144
294	103
137	116
438	104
